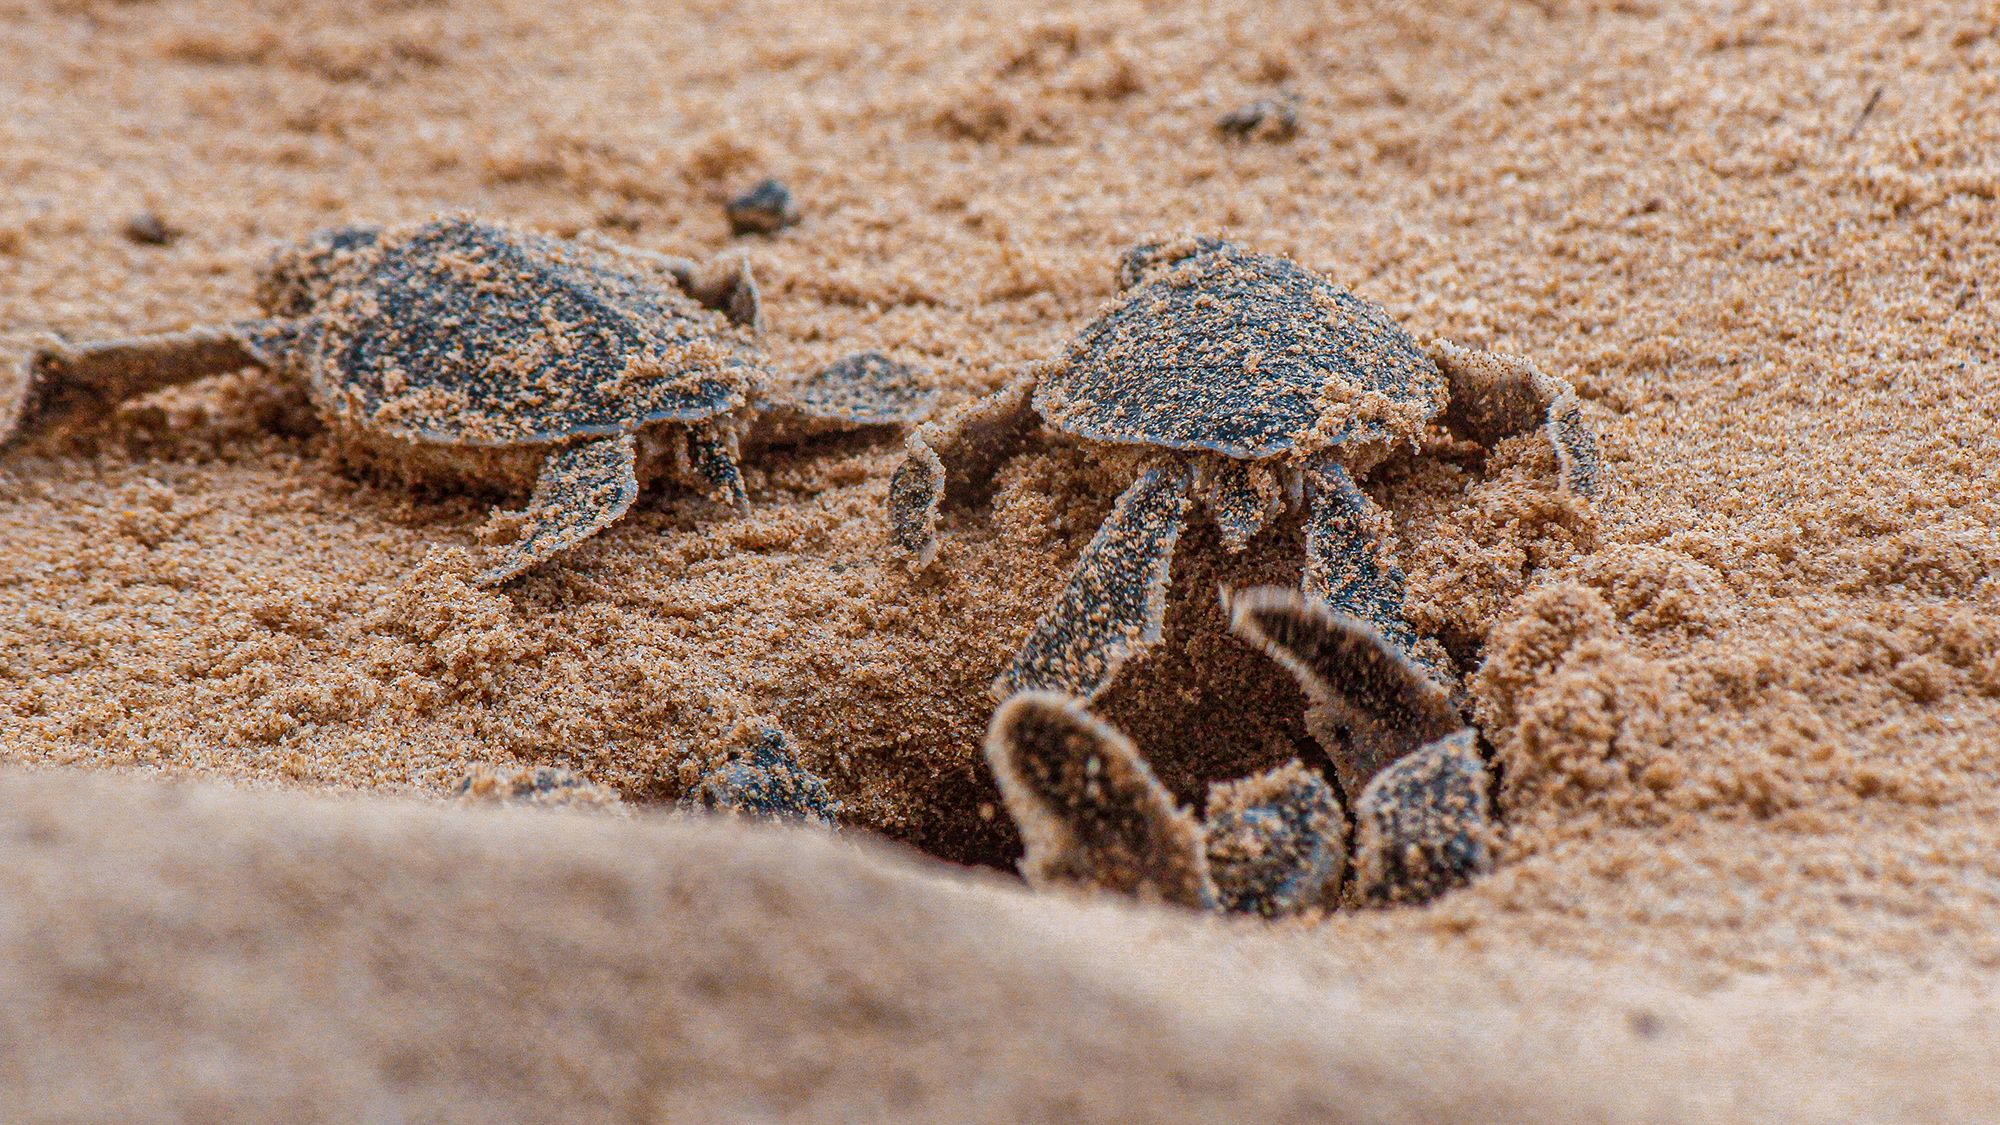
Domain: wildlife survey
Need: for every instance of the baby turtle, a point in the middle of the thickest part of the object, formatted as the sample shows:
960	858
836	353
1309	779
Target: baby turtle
1092	813
1245	382
764	780
478	355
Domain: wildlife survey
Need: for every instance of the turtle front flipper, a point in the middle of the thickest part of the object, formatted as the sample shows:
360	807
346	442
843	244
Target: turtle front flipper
1370	704
1116	598
1494	396
583	489
961	449
1423	825
865	389
1347	563
1089	808
62	383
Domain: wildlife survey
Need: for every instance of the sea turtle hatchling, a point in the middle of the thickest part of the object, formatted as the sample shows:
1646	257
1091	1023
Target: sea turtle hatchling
476	354
1091	813
1244	381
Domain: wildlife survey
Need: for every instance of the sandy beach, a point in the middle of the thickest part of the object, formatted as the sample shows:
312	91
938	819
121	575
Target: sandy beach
1744	711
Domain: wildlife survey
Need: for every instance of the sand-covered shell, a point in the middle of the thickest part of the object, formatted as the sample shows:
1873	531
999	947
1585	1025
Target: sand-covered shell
1247	355
468	333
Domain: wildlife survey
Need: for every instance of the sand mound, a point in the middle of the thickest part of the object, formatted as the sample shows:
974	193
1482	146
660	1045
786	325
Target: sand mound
195	953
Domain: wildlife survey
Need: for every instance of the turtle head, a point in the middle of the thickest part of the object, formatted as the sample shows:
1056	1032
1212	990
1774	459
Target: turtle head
300	276
1143	261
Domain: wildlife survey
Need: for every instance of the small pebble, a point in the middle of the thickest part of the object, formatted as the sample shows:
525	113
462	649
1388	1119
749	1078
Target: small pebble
1266	119
763	209
148	229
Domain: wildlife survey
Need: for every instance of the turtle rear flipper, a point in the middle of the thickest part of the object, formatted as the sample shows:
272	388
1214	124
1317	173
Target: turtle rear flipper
583	488
1370	704
712	462
1423	826
61	383
862	390
1494	395
724	284
976	437
1089	808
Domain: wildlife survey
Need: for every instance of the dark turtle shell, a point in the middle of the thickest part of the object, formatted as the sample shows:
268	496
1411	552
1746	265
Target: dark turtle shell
466	333
1242	354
